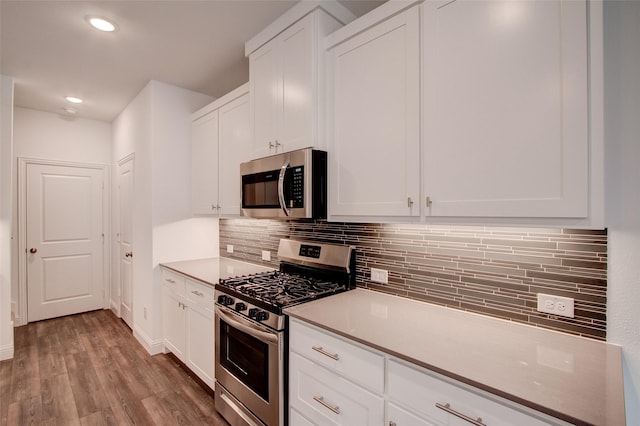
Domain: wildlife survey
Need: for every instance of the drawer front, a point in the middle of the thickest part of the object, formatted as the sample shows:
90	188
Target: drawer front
297	419
329	399
440	401
201	294
172	281
399	417
345	358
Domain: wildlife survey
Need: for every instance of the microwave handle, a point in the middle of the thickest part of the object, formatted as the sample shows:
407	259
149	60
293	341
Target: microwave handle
283	203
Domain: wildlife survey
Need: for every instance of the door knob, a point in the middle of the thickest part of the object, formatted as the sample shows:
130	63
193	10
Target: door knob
33	250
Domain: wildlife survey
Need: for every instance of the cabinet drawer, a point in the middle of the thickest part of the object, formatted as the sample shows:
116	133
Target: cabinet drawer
297	419
201	294
429	395
328	399
345	358
172	281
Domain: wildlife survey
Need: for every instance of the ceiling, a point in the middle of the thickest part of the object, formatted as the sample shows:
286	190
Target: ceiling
51	51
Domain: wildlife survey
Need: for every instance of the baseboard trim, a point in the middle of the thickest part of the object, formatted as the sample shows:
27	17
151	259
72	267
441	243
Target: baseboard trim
154	347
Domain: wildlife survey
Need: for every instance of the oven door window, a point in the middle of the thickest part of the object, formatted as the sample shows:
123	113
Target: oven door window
246	357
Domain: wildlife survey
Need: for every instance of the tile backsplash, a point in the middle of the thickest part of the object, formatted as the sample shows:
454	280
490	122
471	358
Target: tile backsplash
494	271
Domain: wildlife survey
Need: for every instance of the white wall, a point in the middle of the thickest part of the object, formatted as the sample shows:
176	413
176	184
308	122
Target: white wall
6	174
155	126
622	141
48	136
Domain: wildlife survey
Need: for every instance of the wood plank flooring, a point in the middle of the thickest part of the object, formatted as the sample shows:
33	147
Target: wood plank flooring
88	369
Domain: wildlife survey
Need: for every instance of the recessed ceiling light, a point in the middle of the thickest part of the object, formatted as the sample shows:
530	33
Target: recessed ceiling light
101	24
73	99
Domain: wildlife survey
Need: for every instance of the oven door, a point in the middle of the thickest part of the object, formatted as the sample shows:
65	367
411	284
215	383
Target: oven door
249	366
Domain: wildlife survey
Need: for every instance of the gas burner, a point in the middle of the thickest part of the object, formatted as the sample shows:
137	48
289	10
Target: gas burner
280	289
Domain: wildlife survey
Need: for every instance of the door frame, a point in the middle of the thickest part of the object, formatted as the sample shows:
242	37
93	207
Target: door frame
23	162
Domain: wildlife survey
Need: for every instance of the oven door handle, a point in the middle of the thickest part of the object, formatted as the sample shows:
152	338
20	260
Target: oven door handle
248	328
283	203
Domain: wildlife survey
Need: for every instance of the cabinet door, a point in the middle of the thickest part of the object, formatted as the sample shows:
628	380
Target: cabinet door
266	98
204	164
505	117
375	113
298	91
234	148
200	342
173	323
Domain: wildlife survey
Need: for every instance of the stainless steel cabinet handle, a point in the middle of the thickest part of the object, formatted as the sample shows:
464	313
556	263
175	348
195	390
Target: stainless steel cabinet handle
320	400
429	202
197	293
325	353
128	254
447	407
392	423
409	202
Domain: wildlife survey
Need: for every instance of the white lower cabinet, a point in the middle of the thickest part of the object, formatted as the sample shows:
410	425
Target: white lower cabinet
188	323
400	417
440	401
328	385
327	398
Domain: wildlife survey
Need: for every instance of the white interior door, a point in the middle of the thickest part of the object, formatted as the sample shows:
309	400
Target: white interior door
125	238
64	237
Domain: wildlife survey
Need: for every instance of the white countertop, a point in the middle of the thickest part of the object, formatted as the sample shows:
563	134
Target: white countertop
573	378
211	270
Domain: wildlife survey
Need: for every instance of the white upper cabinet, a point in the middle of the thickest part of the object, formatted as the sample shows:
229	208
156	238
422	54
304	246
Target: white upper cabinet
506	119
234	148
374	119
285	73
204	164
220	141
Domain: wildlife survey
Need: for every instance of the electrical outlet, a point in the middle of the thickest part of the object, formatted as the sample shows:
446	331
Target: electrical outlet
266	255
379	275
229	248
556	305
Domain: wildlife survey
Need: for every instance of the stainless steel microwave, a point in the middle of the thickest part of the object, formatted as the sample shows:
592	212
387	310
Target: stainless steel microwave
291	185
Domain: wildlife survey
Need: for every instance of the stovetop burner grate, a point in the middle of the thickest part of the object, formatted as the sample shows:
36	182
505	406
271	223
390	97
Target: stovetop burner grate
281	289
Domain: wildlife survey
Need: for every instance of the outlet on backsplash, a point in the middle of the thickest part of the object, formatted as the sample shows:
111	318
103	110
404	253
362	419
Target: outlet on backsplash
556	305
266	255
379	275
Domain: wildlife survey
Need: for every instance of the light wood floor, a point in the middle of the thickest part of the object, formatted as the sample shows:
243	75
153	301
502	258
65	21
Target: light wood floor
88	369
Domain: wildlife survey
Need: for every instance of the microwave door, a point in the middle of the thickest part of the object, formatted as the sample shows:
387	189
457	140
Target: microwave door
281	199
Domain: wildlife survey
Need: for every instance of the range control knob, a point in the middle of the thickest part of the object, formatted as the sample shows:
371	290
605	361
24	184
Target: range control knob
262	315
240	306
225	300
253	312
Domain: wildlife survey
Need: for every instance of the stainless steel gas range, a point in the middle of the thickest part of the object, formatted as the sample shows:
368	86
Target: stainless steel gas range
251	330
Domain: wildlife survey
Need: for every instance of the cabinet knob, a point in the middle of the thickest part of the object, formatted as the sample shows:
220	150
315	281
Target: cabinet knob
33	250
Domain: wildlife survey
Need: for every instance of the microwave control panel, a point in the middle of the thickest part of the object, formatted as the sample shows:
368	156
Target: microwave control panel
297	187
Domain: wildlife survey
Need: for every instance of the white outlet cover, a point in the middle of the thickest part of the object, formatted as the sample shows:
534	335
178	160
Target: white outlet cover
379	275
229	248
266	255
556	305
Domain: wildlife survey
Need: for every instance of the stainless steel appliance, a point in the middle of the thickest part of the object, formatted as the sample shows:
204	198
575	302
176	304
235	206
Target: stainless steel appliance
288	185
251	330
